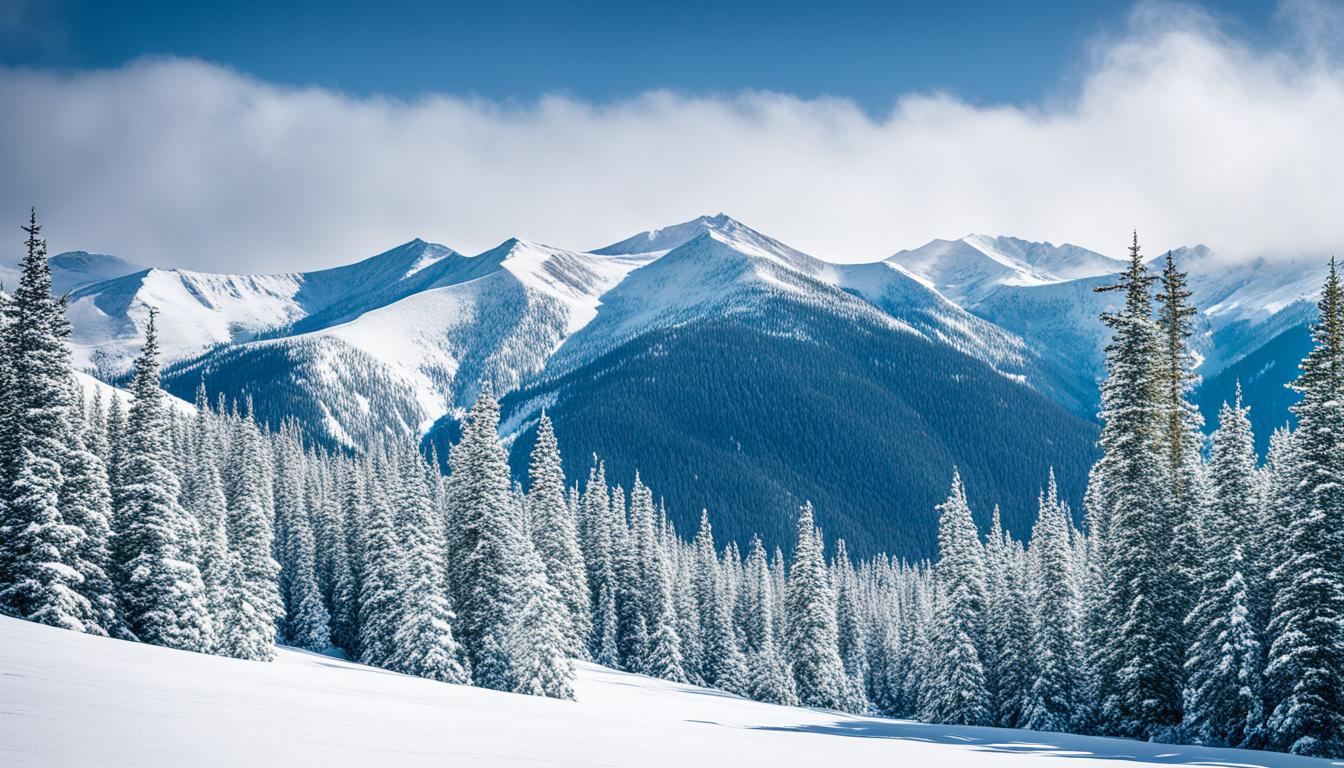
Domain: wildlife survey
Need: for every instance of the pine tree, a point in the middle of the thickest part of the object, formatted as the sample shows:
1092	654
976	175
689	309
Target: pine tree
1223	699
306	624
555	536
1306	659
665	659
1009	664
632	631
595	540
348	562
423	642
254	605
719	646
961	697
851	631
1139	666
1056	691
204	489
39	580
162	590
380	597
86	503
1183	435
484	546
688	613
539	663
811	639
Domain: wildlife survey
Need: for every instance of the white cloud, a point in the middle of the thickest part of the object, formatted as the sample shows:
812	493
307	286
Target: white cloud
1175	127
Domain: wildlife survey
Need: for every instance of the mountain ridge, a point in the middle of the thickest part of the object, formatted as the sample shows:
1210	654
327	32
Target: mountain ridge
401	342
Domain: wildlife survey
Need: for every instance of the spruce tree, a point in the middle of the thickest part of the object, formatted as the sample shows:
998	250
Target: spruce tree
1056	691
555	536
1138	666
254	604
770	677
960	696
204	490
539	663
1009	663
162	591
1306	658
811	635
306	624
851	631
39	580
86	503
719	645
1183	430
348	561
485	552
688	614
595	540
632	631
665	659
384	576
423	642
1223	699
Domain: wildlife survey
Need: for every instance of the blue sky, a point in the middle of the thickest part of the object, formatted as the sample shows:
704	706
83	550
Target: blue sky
871	52
236	136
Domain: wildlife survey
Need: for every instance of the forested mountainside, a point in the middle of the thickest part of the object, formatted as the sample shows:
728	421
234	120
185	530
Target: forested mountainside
925	345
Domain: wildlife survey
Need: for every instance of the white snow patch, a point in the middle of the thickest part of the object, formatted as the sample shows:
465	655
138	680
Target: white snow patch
71	699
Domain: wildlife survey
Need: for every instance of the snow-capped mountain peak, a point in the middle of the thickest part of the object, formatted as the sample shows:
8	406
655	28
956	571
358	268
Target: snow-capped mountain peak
965	270
664	239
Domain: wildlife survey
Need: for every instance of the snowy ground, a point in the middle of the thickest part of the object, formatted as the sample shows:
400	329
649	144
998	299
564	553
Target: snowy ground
72	700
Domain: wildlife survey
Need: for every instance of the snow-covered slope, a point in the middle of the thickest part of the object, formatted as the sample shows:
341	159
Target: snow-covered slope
715	265
494	317
75	269
202	310
966	270
500	327
71	699
94	388
1245	305
420	326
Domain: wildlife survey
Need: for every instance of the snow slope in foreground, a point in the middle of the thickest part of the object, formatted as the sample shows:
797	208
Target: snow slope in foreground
72	700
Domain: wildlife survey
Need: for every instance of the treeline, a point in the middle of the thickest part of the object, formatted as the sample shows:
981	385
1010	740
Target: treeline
1204	602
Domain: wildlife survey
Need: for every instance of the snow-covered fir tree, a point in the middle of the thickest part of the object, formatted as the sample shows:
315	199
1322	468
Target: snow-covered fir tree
423	643
1223	698
484	546
555	535
161	589
1306	655
811	643
306	623
539	651
39	577
248	628
851	630
86	503
1137	661
1008	658
958	694
1056	694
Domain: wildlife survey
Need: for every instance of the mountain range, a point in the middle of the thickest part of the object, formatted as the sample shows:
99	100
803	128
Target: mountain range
730	370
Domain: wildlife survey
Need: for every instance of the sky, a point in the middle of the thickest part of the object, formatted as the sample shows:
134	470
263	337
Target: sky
240	136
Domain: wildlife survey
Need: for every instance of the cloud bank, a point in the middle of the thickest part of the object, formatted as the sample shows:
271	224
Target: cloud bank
1173	125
